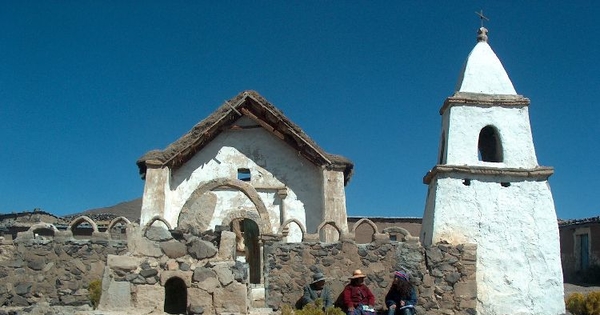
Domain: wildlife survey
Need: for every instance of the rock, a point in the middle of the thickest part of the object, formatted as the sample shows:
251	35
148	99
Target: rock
224	274
202	273
173	249
37	263
194	219
17	263
79	265
18	300
116	296
184	266
22	288
452	277
126	263
200	249
172	265
240	272
195	309
148	273
434	255
158	234
227	246
146	247
151	280
232	299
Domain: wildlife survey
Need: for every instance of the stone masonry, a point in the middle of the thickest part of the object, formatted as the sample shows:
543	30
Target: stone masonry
444	275
214	282
56	271
136	272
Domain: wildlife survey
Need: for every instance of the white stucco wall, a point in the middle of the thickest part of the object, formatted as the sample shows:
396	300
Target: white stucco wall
462	125
516	232
273	166
428	215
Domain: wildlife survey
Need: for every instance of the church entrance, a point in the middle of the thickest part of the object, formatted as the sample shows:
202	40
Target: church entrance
248	246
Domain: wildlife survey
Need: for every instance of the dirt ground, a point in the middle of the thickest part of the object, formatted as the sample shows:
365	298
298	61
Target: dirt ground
84	310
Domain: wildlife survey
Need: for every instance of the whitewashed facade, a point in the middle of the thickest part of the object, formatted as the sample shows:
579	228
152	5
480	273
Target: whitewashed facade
246	160
487	188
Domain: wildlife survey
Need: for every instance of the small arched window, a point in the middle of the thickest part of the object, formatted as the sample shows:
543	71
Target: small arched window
490	145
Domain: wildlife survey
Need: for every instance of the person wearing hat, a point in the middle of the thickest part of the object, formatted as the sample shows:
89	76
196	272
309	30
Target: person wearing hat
317	290
358	299
402	296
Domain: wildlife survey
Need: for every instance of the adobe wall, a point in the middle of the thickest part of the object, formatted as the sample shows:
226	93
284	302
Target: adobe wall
571	250
444	275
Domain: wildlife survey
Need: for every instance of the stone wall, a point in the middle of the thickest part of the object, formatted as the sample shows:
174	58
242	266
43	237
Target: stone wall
143	271
444	275
55	271
210	280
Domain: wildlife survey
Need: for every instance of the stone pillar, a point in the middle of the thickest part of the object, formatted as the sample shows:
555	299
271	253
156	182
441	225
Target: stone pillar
282	193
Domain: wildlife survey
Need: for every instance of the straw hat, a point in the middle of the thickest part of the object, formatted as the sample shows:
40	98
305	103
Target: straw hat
357	274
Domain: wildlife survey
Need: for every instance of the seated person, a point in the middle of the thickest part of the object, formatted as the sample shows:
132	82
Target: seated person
402	296
358	299
317	290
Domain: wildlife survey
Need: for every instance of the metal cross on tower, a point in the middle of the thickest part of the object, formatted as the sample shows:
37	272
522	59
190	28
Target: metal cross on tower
482	17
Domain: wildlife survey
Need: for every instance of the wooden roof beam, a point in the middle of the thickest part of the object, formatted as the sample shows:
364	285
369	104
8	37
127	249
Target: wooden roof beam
264	124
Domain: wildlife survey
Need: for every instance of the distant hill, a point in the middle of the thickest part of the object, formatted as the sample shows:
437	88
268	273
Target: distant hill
130	209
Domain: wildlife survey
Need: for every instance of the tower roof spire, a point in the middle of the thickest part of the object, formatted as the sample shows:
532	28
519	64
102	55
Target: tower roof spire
483	72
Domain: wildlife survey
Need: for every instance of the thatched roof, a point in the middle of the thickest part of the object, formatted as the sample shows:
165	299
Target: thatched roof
255	107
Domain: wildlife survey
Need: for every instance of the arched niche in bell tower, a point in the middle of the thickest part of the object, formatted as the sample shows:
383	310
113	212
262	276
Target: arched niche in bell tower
490	145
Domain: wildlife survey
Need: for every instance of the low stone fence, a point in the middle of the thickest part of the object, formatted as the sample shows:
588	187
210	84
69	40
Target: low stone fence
157	269
444	275
55	271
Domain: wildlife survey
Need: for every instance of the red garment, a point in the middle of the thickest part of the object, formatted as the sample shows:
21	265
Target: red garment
358	295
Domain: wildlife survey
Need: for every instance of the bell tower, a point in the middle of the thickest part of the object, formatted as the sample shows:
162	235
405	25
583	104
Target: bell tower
487	188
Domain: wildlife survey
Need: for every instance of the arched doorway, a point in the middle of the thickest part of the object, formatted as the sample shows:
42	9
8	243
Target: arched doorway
175	296
248	231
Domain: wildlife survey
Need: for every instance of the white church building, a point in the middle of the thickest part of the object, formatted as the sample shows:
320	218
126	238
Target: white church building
248	167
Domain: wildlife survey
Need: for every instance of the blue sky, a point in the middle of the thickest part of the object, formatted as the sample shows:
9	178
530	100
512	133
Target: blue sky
87	87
